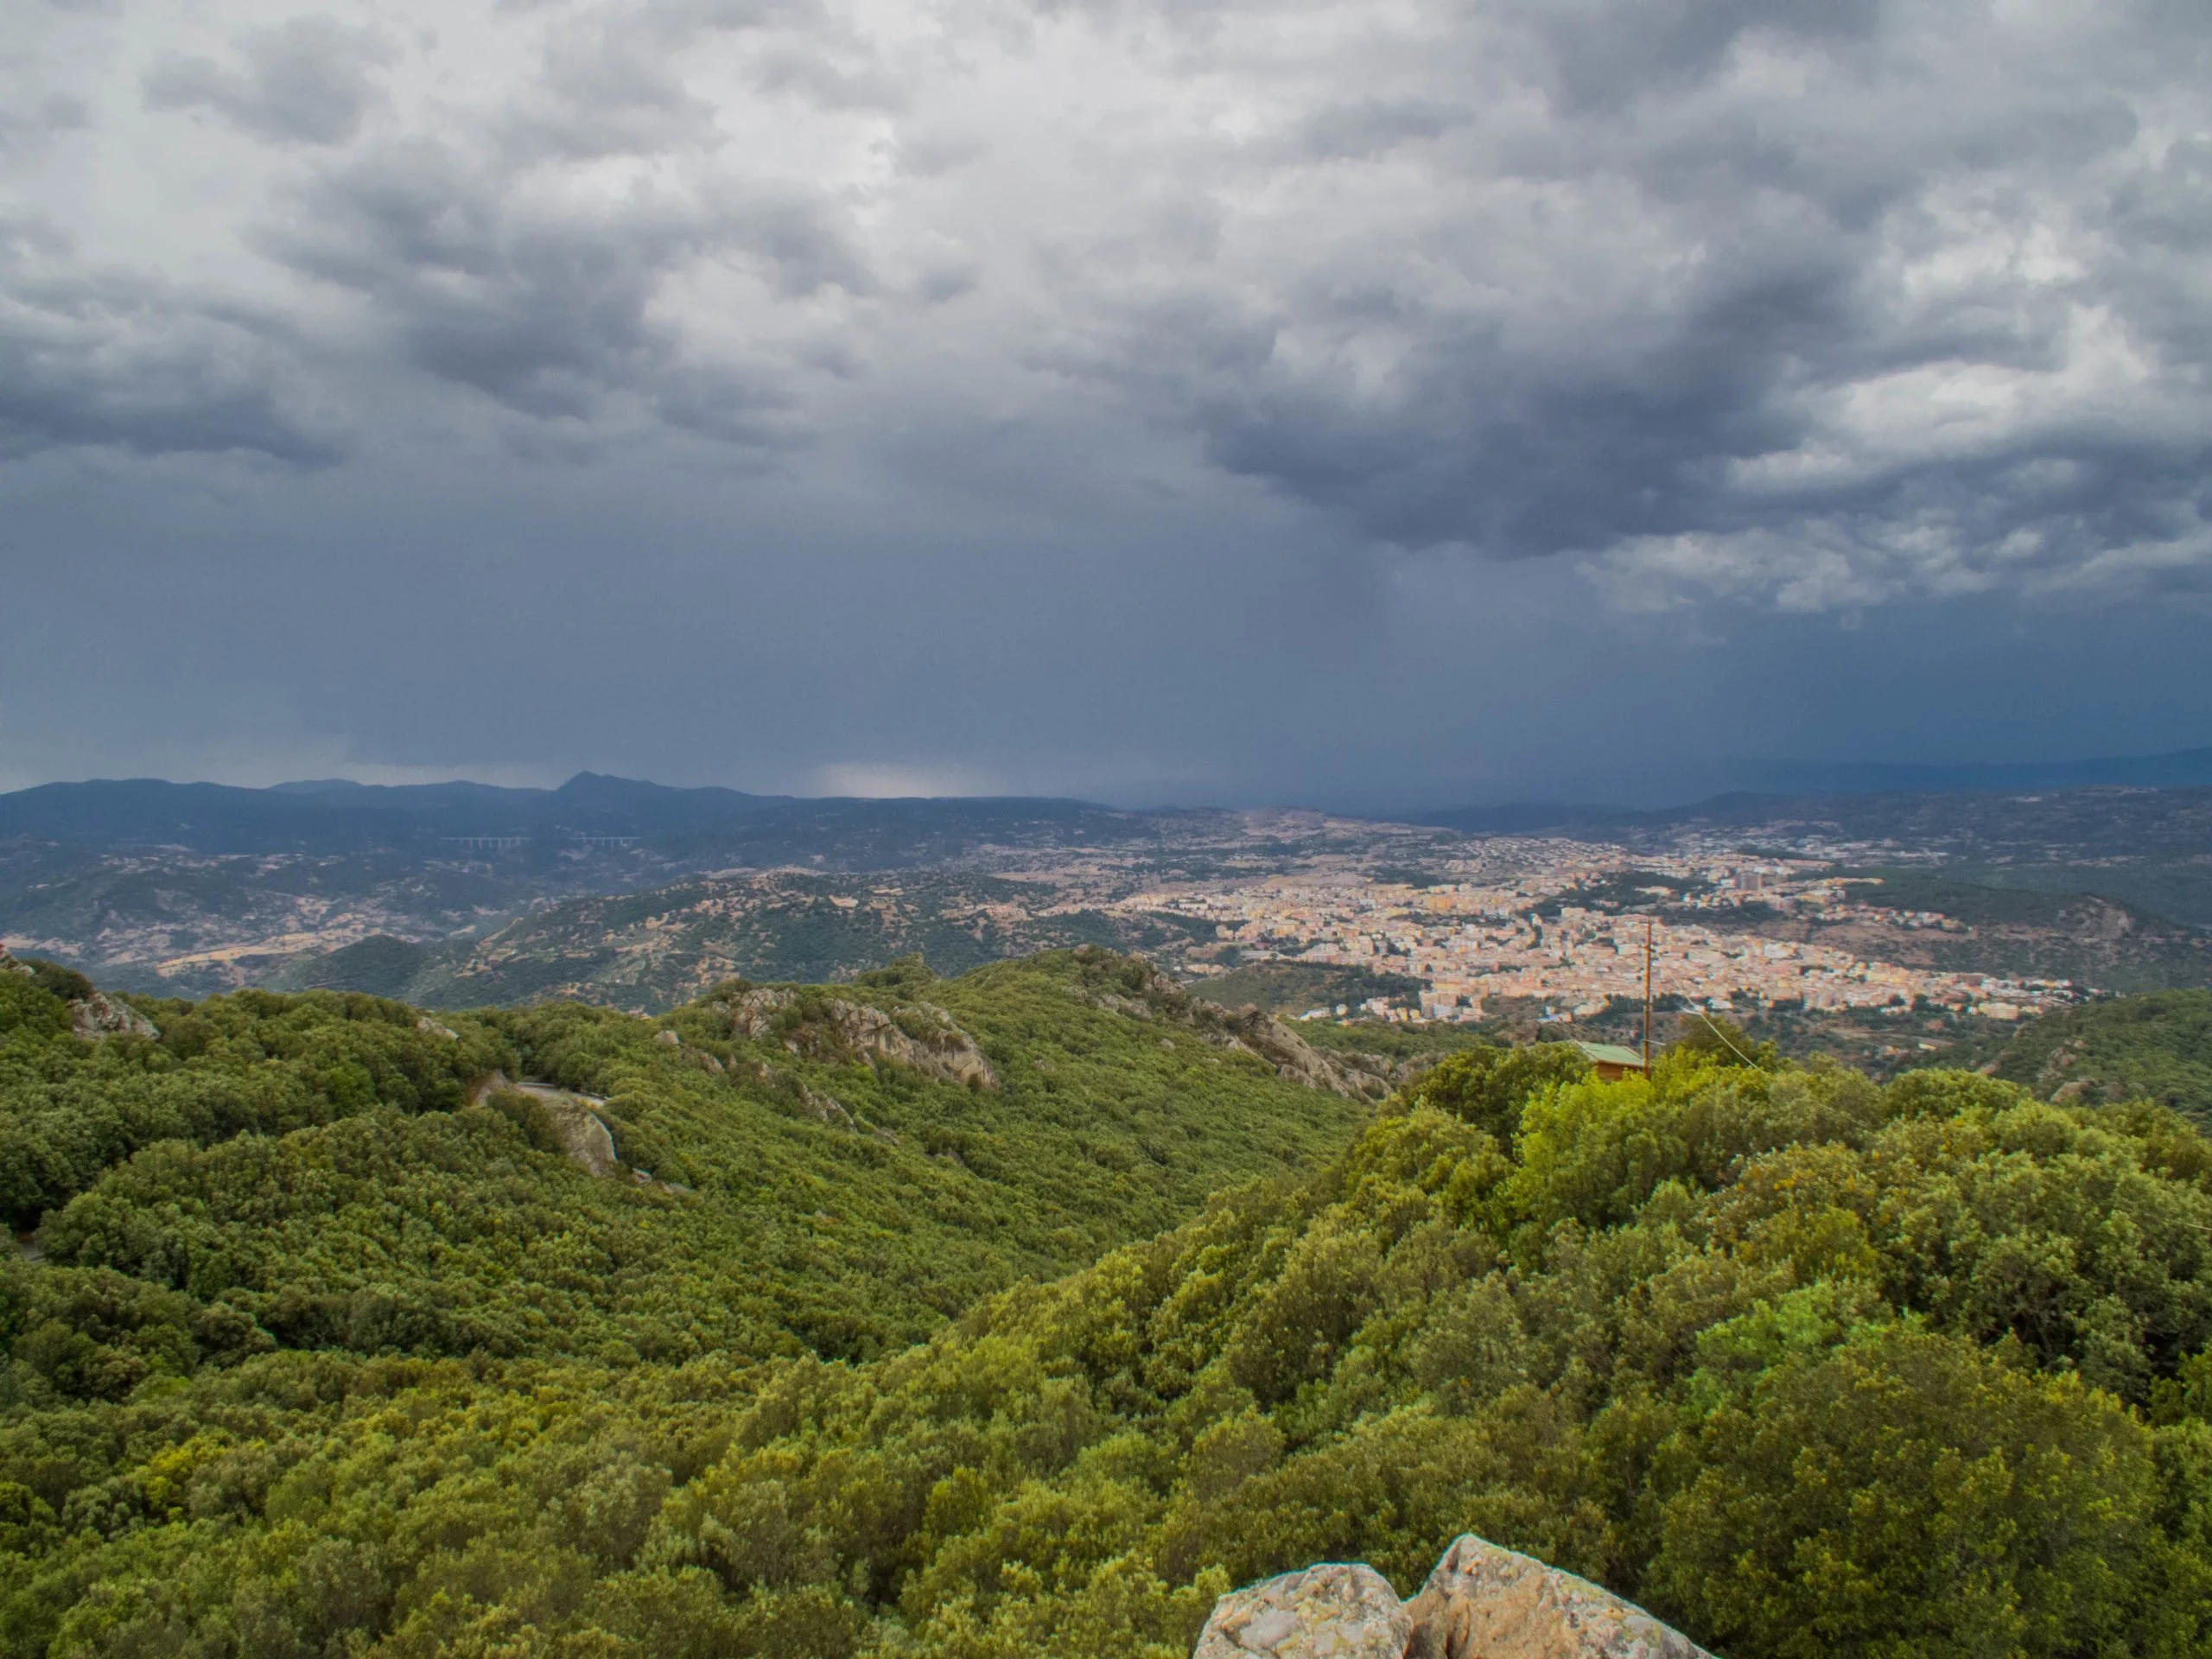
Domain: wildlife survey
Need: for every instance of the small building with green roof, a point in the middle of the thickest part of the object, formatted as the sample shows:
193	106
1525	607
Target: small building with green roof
1610	1060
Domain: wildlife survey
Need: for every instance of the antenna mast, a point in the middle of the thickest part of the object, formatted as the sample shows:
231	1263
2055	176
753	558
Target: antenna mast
1649	923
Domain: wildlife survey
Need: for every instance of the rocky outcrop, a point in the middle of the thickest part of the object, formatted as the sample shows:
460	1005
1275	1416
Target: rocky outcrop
918	1035
1336	1610
1140	990
589	1142
92	1015
101	1015
1295	1060
826	1109
584	1137
1480	1603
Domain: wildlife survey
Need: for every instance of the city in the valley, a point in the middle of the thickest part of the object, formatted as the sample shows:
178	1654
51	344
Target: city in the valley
1575	928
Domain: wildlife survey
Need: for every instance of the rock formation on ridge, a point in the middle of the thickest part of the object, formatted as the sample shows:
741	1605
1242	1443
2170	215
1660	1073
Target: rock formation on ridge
93	1013
919	1035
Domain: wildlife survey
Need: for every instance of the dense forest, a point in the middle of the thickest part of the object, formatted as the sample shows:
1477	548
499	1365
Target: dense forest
320	1344
311	1166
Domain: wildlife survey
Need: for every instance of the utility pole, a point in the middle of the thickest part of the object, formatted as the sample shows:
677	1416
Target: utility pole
1649	923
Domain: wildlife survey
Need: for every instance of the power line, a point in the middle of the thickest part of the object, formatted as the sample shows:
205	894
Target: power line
1723	1036
1649	923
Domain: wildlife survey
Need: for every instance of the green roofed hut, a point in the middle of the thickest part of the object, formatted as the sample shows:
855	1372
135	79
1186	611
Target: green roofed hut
1611	1061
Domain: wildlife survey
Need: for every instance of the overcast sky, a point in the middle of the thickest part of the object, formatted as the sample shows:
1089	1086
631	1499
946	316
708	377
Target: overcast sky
1403	401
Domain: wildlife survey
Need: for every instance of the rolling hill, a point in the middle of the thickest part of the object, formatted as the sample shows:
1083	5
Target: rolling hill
818	1179
653	950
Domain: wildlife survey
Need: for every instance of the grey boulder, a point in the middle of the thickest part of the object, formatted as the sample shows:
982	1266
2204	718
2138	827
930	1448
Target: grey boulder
1335	1611
1480	1603
1486	1602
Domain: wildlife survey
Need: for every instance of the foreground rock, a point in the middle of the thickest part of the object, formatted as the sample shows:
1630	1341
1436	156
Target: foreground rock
1486	1602
1330	1612
1480	1603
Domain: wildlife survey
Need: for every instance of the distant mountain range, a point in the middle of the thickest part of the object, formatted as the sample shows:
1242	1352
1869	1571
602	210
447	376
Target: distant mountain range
334	816
2178	769
337	816
2085	820
1747	790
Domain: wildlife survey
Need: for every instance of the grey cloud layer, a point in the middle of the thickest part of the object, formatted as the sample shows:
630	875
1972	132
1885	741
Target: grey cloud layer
1842	311
121	359
546	306
305	81
1824	303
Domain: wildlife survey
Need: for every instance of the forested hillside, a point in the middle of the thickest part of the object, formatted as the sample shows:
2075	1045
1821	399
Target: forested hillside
312	1169
322	1359
2154	1047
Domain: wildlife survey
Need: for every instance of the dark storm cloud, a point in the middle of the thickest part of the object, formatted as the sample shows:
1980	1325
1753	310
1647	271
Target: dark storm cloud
1519	457
540	311
1598	56
308	82
543	302
122	360
1910	283
1820	304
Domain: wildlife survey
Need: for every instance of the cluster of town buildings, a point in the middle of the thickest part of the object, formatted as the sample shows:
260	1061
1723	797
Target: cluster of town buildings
1574	938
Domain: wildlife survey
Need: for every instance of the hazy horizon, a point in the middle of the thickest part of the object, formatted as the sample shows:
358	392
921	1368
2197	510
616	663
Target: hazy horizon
2186	768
